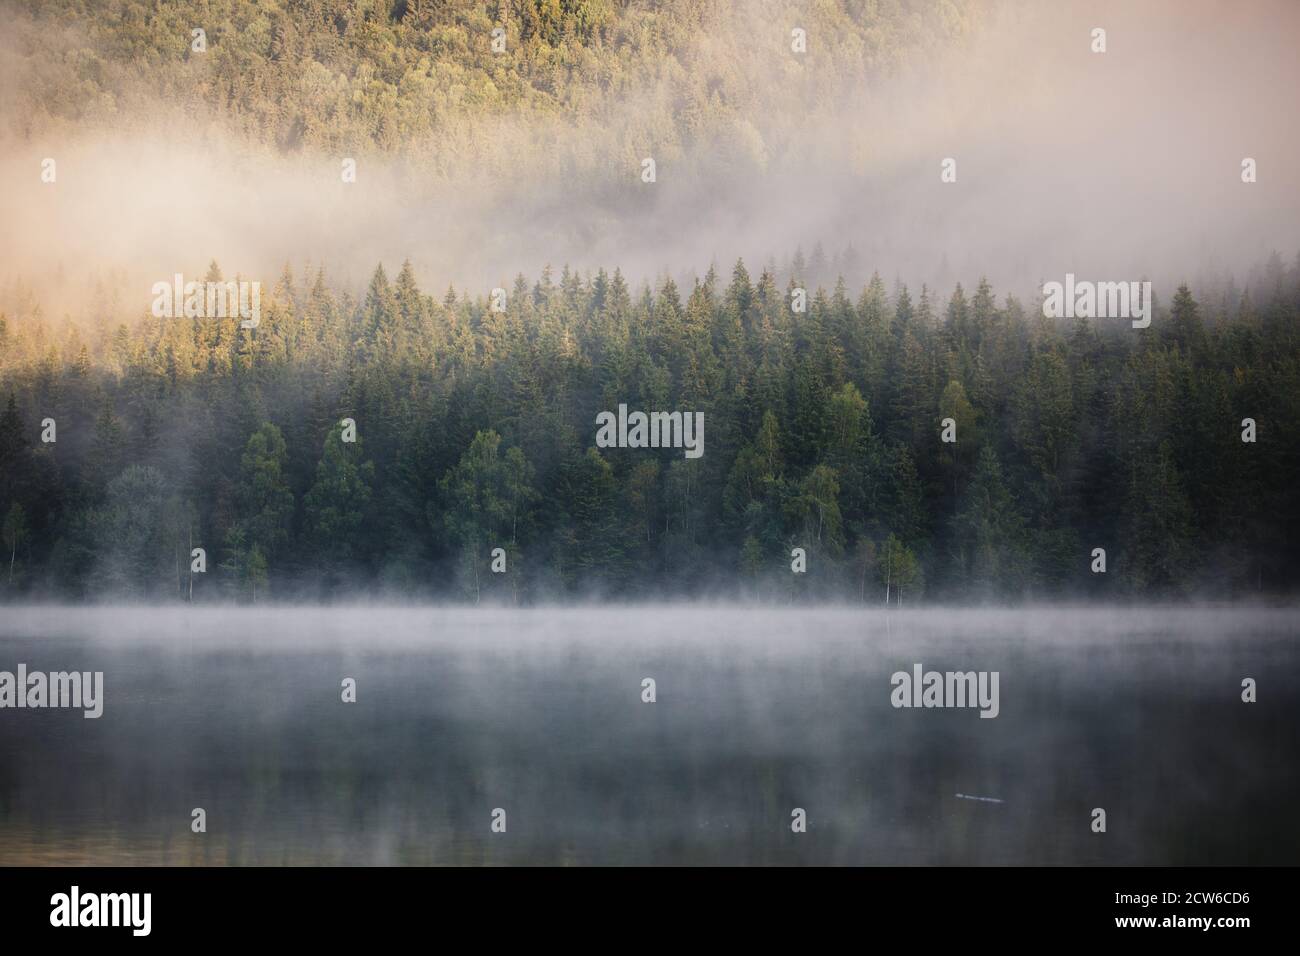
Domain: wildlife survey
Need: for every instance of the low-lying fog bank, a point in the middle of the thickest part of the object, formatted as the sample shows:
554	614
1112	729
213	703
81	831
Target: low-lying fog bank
616	625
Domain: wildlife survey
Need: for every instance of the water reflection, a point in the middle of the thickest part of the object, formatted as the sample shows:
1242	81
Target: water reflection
758	712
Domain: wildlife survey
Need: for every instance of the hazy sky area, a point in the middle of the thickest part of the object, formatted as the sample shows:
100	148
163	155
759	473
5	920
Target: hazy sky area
1113	166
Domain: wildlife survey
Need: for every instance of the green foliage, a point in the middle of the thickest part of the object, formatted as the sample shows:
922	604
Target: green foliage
264	495
488	496
990	533
822	432
897	571
336	505
136	535
421	76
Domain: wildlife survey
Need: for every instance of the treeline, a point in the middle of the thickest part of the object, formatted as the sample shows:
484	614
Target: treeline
475	430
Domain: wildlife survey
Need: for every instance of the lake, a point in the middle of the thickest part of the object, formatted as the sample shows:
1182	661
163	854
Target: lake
540	713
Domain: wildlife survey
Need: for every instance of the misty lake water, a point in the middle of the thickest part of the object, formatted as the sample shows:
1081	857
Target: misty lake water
758	711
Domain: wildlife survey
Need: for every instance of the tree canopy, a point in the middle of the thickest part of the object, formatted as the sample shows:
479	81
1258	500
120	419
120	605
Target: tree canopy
474	430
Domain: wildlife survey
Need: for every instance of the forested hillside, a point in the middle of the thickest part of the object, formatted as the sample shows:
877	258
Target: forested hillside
475	430
124	446
421	77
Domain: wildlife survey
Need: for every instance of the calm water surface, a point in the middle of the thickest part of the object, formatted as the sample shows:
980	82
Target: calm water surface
539	712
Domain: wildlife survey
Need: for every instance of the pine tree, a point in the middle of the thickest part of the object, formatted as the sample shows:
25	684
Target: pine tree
336	506
264	498
488	495
990	533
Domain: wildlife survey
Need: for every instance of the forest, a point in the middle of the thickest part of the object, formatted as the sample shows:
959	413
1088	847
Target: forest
421	79
390	440
475	430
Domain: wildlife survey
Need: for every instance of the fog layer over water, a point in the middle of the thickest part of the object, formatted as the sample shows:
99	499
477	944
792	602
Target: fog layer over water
757	712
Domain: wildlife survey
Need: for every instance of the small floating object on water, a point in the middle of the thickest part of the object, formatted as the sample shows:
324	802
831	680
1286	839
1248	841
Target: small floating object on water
967	796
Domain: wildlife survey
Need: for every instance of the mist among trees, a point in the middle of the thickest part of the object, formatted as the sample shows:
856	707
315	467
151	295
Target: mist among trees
475	431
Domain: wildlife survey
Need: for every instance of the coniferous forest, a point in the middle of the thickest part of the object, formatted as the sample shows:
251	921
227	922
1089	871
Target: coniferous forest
647	433
475	430
1166	456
